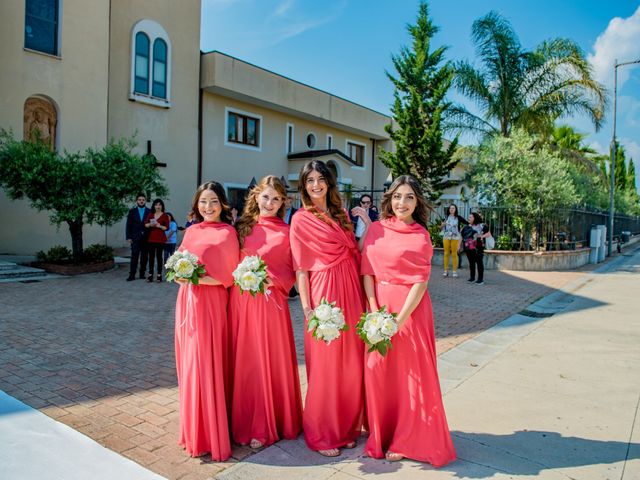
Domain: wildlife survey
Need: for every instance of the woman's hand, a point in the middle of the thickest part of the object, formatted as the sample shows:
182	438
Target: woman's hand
181	281
308	313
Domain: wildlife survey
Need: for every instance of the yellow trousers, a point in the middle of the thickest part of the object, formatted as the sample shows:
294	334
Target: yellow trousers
451	250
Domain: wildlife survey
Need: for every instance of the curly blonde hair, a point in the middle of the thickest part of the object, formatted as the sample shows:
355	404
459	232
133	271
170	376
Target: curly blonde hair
334	201
251	211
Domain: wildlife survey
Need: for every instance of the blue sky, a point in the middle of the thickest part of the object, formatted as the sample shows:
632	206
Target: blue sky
345	46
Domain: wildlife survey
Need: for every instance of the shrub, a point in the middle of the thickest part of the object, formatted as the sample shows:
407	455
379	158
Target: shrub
57	254
434	232
503	242
98	253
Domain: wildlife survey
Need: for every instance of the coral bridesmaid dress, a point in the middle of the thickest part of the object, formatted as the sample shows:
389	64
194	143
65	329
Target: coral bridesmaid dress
266	403
334	405
202	343
404	402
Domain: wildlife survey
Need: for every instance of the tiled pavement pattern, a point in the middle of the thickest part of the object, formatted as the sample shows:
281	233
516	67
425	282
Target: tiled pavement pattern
96	353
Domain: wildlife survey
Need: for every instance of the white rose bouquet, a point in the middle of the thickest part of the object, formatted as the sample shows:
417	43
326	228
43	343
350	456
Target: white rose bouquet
184	264
326	322
376	329
251	275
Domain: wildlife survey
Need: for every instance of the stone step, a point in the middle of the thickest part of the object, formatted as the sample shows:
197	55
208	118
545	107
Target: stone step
7	265
19	271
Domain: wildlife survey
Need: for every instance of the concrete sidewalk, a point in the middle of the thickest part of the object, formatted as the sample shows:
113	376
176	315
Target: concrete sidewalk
552	394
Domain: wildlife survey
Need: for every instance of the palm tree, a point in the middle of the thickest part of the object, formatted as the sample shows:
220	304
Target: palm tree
570	144
520	88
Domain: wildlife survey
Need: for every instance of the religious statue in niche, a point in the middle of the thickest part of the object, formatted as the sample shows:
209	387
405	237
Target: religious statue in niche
40	121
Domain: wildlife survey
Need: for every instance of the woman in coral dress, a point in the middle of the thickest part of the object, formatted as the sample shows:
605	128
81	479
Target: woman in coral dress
326	258
404	403
266	404
201	332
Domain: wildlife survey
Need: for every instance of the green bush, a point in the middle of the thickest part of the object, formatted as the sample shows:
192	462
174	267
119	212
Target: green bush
503	242
98	253
57	254
434	232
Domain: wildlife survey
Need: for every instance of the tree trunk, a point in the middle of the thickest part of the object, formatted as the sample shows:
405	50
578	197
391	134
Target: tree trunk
75	228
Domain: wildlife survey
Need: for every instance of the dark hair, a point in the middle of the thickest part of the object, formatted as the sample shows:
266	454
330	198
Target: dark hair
365	195
251	212
141	195
449	208
156	202
334	201
218	189
170	215
420	214
477	218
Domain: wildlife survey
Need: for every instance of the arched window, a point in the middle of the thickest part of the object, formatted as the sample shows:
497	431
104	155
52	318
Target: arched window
141	82
150	64
159	68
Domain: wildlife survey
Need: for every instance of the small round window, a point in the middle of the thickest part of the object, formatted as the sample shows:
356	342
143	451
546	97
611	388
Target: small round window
311	141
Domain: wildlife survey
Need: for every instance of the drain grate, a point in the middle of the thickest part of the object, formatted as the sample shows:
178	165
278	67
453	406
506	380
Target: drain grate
29	281
529	313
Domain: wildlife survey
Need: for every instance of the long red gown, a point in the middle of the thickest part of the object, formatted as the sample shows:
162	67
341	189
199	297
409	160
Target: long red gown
266	404
202	343
334	406
404	402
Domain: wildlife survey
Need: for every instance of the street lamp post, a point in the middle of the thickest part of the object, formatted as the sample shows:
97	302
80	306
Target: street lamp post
613	148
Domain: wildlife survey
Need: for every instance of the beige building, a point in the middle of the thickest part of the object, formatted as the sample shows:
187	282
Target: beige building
81	72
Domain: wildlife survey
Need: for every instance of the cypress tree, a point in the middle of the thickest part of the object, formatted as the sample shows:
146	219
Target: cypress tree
422	81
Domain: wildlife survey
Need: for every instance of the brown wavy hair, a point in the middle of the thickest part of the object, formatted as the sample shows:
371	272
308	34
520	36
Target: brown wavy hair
251	211
218	189
420	214
334	201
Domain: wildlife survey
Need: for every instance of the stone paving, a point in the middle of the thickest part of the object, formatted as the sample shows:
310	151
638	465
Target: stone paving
96	352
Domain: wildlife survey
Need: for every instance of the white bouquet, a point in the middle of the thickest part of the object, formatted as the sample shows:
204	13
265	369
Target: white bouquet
327	322
251	275
377	328
184	264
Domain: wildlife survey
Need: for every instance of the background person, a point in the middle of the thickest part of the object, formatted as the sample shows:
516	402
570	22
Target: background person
403	398
451	238
172	237
472	238
157	222
266	403
359	215
326	260
201	330
136	235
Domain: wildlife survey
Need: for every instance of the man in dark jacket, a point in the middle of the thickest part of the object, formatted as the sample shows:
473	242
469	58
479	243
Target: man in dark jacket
366	203
136	235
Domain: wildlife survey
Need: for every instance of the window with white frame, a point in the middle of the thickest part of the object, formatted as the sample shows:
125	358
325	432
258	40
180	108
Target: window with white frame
355	151
243	129
150	64
41	25
289	138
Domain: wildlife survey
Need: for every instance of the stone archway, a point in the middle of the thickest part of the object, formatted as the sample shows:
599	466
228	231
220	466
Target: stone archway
40	121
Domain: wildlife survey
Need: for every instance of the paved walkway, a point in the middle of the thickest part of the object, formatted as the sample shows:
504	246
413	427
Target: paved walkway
96	353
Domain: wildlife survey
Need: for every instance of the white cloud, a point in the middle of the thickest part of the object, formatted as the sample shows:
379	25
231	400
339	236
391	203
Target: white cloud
283	8
597	146
621	41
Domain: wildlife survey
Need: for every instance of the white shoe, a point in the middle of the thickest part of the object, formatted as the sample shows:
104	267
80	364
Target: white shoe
455	275
445	273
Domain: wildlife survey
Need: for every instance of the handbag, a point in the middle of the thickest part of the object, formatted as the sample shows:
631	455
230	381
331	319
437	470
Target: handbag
490	242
